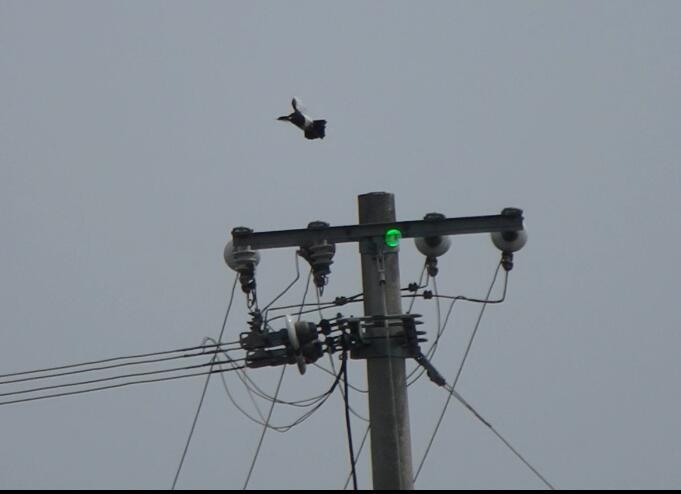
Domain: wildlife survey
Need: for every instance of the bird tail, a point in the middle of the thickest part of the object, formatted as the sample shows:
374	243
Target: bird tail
320	127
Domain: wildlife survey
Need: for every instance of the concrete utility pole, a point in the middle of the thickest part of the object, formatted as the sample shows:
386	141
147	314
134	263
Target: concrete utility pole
388	405
378	234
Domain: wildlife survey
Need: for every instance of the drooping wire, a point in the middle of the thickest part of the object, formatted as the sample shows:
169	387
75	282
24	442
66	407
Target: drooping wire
274	402
477	325
346	398
477	415
205	386
442	325
264	430
333	367
458	374
253	388
288	287
316	402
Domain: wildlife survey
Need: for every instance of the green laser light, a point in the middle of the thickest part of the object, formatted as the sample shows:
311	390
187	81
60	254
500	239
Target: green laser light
392	237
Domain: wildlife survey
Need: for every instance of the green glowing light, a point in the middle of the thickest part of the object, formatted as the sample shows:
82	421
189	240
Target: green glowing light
392	237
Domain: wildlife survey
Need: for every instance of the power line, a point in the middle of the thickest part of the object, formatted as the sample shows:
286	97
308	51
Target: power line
460	398
276	395
205	387
113	366
289	286
111	386
103	379
264	429
458	374
411	304
112	359
317	403
441	326
359	453
346	398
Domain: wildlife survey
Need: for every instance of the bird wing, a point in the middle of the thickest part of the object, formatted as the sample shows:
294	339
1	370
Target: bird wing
298	105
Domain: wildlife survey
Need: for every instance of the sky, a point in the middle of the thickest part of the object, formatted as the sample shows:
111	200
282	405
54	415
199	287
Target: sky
135	135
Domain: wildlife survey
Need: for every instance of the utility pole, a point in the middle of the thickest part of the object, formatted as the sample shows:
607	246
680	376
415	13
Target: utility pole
386	374
385	337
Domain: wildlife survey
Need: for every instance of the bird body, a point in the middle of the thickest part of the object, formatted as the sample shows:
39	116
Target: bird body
313	129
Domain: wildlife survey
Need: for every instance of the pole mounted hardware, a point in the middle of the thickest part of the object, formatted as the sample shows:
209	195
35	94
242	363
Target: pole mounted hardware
384	337
509	241
243	259
510	221
319	254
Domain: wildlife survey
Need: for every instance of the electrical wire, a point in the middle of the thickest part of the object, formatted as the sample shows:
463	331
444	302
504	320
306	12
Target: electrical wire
285	428
477	415
282	428
411	304
359	453
276	395
289	286
111	386
429	353
115	366
205	387
330	305
339	301
348	427
264	430
458	374
477	325
103	379
253	388
441	326
333	373
107	360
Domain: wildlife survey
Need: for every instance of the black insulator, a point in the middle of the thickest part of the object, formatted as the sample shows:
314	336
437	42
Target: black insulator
306	332
325	327
319	255
256	320
507	260
431	266
312	351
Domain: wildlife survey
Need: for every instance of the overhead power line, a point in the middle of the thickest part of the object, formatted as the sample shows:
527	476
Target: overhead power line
205	386
113	386
103	379
113	359
458	374
217	349
461	400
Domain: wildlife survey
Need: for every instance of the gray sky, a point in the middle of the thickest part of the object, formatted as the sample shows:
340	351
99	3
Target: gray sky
135	135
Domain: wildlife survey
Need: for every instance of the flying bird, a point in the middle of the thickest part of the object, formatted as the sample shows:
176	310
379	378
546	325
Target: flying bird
313	129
